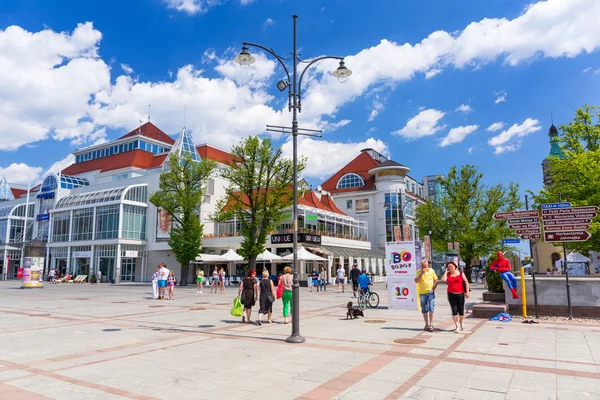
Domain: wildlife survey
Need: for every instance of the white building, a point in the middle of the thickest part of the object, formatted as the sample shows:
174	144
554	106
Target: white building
95	214
379	191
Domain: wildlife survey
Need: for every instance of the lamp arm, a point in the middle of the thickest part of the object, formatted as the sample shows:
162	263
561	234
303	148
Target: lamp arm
304	71
279	58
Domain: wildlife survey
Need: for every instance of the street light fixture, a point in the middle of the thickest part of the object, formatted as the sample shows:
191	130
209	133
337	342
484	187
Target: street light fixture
294	87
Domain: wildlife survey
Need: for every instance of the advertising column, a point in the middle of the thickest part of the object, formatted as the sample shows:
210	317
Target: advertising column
402	260
33	272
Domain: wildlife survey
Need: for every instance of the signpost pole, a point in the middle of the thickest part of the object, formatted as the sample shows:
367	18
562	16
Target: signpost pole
567	274
533	267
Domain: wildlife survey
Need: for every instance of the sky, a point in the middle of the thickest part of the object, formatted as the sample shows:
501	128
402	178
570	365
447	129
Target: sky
434	84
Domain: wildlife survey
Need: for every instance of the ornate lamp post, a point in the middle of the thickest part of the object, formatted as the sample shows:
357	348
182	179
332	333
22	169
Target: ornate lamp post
294	87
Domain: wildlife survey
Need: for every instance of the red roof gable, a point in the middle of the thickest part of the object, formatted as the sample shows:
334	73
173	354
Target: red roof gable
328	202
313	201
17	192
212	153
360	166
150	131
135	158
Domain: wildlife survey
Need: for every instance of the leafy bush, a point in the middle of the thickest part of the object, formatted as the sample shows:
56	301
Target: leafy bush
494	282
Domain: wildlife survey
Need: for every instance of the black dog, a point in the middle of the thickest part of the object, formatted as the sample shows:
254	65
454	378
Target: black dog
353	312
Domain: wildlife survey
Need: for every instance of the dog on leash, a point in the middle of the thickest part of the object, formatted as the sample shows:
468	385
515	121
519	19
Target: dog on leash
353	312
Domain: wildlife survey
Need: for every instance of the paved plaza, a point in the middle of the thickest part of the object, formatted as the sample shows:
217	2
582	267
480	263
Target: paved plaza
72	341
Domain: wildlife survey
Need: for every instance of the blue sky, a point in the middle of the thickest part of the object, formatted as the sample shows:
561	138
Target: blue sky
81	73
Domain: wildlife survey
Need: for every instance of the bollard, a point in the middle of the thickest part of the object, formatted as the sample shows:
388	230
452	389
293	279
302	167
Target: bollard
523	293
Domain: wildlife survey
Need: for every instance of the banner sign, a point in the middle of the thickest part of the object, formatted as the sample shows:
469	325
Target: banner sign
402	261
289	238
402	293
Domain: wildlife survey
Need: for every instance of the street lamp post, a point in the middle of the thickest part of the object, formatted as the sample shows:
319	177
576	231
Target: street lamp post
295	105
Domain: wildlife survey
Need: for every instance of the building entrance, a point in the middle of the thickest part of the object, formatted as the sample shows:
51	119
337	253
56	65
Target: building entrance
128	269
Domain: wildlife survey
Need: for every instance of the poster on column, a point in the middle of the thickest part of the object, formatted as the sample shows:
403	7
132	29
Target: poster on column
402	293
401	259
33	272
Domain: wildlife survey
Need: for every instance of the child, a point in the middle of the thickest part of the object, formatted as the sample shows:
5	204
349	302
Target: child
199	279
171	281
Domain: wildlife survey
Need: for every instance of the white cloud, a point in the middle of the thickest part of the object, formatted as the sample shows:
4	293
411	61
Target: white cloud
587	69
269	22
188	6
457	135
516	131
470	150
597	71
496	126
377	106
500	96
326	158
21	173
245	2
432	72
464	108
423	124
127	69
60	165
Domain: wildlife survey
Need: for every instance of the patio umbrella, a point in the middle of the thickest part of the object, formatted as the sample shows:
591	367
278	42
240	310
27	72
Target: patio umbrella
231	255
267	256
303	255
210	258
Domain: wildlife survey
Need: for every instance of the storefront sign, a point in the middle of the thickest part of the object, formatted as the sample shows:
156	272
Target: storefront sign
390	173
82	254
131	254
47	195
288	238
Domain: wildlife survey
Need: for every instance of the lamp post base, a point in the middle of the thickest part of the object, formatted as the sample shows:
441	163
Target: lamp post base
295	339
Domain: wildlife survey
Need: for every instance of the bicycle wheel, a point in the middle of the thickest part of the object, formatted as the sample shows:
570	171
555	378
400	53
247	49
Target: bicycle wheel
373	300
362	302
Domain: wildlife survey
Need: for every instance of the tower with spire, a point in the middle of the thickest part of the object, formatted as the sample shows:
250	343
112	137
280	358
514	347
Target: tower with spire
5	191
555	151
184	145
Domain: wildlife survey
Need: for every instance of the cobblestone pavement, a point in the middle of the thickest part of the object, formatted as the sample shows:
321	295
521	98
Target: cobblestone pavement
83	341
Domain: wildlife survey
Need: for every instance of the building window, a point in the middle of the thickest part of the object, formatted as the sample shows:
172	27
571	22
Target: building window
60	226
350	181
3	228
107	222
206	199
349	204
134	222
362	205
420	192
392	215
82	224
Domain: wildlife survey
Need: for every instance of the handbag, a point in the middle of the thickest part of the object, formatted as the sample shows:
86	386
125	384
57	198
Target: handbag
236	310
464	284
279	289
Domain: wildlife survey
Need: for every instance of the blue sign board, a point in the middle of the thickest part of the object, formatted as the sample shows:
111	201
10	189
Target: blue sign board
47	195
552	206
43	217
511	241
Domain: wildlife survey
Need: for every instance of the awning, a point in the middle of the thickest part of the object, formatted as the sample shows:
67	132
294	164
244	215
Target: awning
345	252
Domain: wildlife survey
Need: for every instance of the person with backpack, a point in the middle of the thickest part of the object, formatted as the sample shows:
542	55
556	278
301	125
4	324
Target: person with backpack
354	275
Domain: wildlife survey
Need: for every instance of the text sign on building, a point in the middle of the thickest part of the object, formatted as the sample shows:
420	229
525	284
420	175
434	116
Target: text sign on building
82	254
131	253
288	238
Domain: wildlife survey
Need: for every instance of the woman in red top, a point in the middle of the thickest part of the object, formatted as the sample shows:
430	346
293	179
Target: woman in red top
457	283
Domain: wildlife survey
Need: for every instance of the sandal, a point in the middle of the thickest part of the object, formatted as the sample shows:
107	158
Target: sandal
431	328
426	329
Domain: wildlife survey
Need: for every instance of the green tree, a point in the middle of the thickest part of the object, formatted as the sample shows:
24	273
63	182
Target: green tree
576	176
464	213
260	191
181	189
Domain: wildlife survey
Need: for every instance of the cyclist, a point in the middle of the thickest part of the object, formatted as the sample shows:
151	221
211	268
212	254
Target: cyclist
364	282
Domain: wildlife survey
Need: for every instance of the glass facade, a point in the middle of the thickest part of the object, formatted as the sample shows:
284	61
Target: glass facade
107	222
82	224
3	230
60	226
392	215
102	196
121	148
134	222
350	181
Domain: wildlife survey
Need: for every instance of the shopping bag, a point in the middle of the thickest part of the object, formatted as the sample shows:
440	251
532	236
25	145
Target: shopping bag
279	289
236	310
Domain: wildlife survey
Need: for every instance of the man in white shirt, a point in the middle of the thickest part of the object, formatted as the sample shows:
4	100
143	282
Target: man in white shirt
163	273
155	283
340	278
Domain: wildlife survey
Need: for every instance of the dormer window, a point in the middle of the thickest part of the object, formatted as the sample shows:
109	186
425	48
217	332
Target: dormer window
350	180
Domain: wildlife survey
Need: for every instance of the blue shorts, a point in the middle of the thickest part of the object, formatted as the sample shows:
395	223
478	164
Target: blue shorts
427	302
162	283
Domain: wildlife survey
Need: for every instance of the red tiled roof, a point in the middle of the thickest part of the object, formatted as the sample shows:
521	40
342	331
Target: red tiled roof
212	153
360	165
150	131
328	202
135	158
17	192
311	198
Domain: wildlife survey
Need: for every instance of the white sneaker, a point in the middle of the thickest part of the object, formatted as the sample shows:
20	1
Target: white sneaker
201	291
198	291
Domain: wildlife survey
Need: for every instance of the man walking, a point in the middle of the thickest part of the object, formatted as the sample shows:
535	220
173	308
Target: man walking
163	273
427	281
340	279
354	275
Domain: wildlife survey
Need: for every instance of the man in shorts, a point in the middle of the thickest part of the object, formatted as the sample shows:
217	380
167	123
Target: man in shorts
427	281
340	278
163	273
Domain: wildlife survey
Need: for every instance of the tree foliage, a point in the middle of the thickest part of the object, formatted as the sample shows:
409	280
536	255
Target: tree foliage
464	213
181	190
260	191
577	176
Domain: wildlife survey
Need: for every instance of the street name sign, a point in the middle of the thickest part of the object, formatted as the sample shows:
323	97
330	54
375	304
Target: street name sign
511	241
527	232
551	206
524	226
523	220
584	209
568	216
515	214
571	236
562	222
531	236
575	227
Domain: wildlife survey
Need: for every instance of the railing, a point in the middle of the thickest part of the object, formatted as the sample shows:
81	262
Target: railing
290	231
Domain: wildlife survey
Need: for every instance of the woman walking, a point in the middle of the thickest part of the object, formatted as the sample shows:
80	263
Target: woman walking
323	279
287	280
248	293
171	281
458	289
222	280
215	280
199	279
267	297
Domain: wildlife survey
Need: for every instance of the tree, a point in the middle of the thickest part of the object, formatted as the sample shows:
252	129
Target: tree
464	213
576	176
260	191
181	189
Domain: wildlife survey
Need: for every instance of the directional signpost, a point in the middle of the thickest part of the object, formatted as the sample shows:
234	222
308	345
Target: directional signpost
525	223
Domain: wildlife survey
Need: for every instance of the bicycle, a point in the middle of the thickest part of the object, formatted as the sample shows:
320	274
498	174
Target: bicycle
370	299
